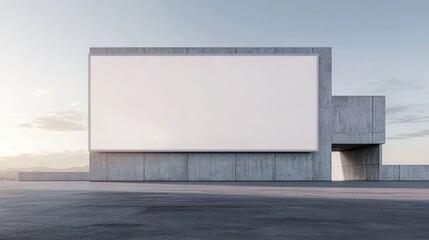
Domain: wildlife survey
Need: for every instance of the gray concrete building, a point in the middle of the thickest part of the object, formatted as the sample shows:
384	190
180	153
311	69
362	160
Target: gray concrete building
351	132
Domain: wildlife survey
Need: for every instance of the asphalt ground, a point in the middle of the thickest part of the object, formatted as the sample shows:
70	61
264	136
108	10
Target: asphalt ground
302	210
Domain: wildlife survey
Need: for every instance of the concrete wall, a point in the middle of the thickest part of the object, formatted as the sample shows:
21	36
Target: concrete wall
224	166
404	172
358	119
357	164
53	176
201	167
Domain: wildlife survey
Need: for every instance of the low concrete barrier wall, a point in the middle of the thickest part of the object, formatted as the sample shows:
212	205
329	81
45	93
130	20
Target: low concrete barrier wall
404	172
52	176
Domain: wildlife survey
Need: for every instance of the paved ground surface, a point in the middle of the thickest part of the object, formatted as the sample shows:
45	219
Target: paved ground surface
83	210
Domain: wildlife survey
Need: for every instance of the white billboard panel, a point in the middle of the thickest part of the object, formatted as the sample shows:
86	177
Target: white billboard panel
204	103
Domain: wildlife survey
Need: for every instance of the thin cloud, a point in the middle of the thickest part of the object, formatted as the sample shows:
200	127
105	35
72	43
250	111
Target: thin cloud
407	113
39	94
423	133
69	120
390	85
410	118
396	109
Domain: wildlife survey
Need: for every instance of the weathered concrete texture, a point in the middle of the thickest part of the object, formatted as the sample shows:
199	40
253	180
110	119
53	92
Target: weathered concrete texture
97	166
256	51
118	50
352	114
389	172
378	138
358	119
294	167
322	166
352	138
125	167
52	176
136	51
379	114
298	50
404	172
211	167
201	167
98	50
255	167
166	166
165	51
414	172
372	172
207	51
357	164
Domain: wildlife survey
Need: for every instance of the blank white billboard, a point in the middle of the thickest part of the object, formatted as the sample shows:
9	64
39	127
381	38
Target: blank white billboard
204	103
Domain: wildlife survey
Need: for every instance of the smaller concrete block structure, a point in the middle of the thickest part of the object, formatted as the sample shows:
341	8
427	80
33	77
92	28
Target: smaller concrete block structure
358	131
52	176
358	120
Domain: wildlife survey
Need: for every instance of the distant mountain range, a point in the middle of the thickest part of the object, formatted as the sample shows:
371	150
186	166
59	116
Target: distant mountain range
46	169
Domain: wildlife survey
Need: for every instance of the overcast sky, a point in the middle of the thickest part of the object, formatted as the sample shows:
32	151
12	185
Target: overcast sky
379	48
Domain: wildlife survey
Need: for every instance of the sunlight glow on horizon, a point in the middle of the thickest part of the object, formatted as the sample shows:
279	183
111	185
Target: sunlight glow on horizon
379	48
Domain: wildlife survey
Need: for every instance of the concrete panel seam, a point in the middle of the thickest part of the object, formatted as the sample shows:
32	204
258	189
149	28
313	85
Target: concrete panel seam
372	116
144	166
275	166
187	166
399	170
107	169
235	164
